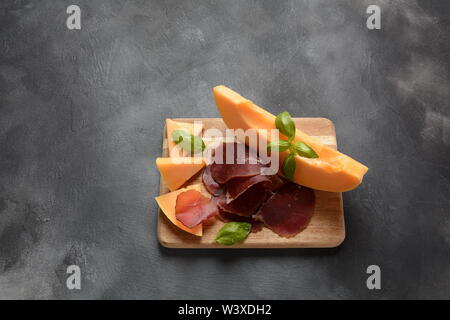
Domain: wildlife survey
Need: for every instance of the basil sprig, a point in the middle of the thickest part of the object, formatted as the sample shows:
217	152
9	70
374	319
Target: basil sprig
233	232
303	150
278	145
286	126
190	143
284	123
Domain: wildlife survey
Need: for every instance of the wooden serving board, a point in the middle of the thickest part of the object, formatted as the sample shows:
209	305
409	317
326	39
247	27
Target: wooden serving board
325	230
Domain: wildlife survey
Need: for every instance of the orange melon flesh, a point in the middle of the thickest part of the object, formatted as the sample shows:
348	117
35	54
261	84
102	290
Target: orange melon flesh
176	171
167	203
171	126
332	171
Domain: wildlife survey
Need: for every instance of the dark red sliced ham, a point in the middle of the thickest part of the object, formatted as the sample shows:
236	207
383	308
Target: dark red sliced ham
227	217
247	203
243	163
241	193
193	208
210	184
276	182
237	186
289	210
225	172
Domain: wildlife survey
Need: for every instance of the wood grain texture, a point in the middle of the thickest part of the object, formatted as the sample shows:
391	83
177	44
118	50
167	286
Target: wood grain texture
325	230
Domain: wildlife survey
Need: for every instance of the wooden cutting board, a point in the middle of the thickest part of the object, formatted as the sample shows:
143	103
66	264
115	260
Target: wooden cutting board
325	230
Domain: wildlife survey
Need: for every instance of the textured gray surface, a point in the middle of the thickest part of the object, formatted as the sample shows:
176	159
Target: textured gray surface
81	119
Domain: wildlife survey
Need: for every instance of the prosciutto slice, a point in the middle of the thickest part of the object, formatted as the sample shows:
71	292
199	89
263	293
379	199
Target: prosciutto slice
192	208
224	172
288	211
276	182
247	203
237	186
243	163
227	217
241	193
210	184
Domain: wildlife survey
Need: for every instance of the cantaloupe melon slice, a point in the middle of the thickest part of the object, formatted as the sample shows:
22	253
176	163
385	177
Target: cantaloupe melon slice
171	126
176	171
167	204
332	171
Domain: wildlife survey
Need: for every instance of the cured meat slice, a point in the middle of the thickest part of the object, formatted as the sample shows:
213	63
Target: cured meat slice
289	210
243	163
228	217
246	204
276	182
192	208
225	172
210	184
237	186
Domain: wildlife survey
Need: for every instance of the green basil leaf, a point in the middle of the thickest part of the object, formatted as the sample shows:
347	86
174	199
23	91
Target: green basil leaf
285	124
179	135
188	142
278	146
196	145
304	150
233	232
288	166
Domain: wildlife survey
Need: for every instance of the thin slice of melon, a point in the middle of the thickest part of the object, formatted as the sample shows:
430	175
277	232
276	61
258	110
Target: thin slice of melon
167	203
176	171
332	171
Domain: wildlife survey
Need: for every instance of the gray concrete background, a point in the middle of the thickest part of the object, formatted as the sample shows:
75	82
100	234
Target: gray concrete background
81	119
